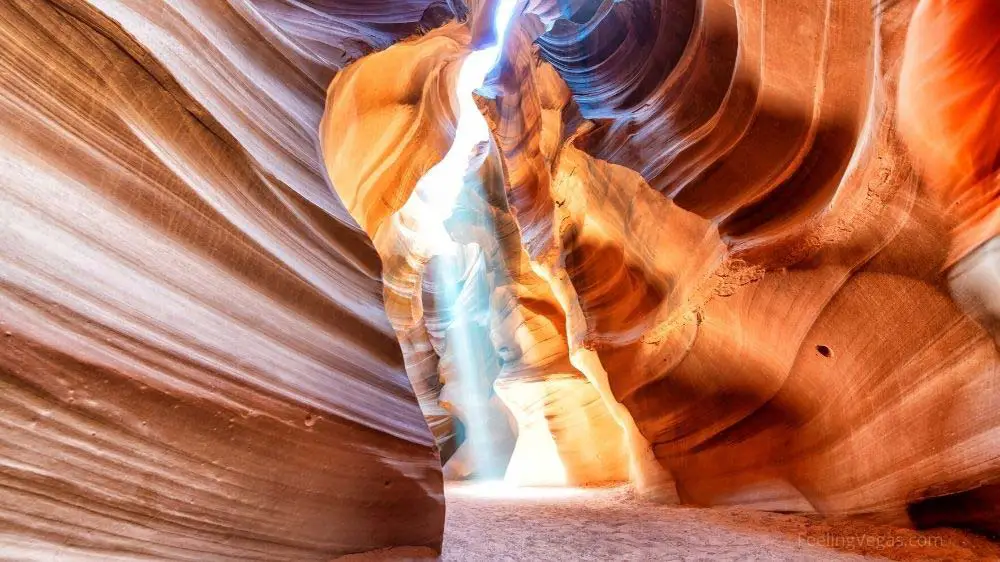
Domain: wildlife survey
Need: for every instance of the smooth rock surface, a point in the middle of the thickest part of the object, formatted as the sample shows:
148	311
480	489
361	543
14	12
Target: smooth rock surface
704	211
696	257
195	362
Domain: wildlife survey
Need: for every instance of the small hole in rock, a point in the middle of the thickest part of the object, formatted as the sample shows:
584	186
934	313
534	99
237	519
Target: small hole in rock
824	351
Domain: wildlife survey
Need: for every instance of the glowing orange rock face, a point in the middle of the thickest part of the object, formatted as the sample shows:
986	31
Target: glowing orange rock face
410	107
709	219
696	258
949	107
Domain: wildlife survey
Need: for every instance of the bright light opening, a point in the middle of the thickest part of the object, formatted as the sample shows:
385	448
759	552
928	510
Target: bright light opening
435	194
422	220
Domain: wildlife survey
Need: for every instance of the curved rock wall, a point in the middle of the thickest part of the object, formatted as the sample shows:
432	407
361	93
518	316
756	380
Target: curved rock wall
738	256
696	257
194	358
820	364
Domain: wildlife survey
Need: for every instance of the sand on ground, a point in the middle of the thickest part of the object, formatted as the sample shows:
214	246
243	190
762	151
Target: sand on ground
488	522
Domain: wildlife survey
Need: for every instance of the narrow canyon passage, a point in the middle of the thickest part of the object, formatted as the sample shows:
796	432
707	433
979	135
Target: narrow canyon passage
535	280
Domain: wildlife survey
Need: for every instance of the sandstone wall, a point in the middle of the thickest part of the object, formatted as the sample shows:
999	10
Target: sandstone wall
195	361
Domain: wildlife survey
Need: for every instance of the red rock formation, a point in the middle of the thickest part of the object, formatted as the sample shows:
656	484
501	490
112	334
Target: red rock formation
194	357
694	256
745	266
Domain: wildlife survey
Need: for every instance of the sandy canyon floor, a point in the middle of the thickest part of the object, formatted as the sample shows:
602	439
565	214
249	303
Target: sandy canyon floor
486	523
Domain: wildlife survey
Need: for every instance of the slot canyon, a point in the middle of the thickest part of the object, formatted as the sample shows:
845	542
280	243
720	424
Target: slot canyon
496	280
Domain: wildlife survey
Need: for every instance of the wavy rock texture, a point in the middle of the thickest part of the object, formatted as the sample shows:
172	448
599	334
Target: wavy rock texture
519	323
195	361
706	206
809	368
695	257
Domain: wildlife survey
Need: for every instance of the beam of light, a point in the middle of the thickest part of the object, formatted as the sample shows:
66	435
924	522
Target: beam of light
423	218
473	386
435	194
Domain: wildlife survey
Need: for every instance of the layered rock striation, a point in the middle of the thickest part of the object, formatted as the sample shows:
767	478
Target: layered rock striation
712	203
693	255
195	358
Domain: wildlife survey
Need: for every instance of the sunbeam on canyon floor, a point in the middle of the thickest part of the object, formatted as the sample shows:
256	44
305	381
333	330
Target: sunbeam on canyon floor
492	521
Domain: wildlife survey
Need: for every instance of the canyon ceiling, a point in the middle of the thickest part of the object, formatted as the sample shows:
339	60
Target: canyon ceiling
694	257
